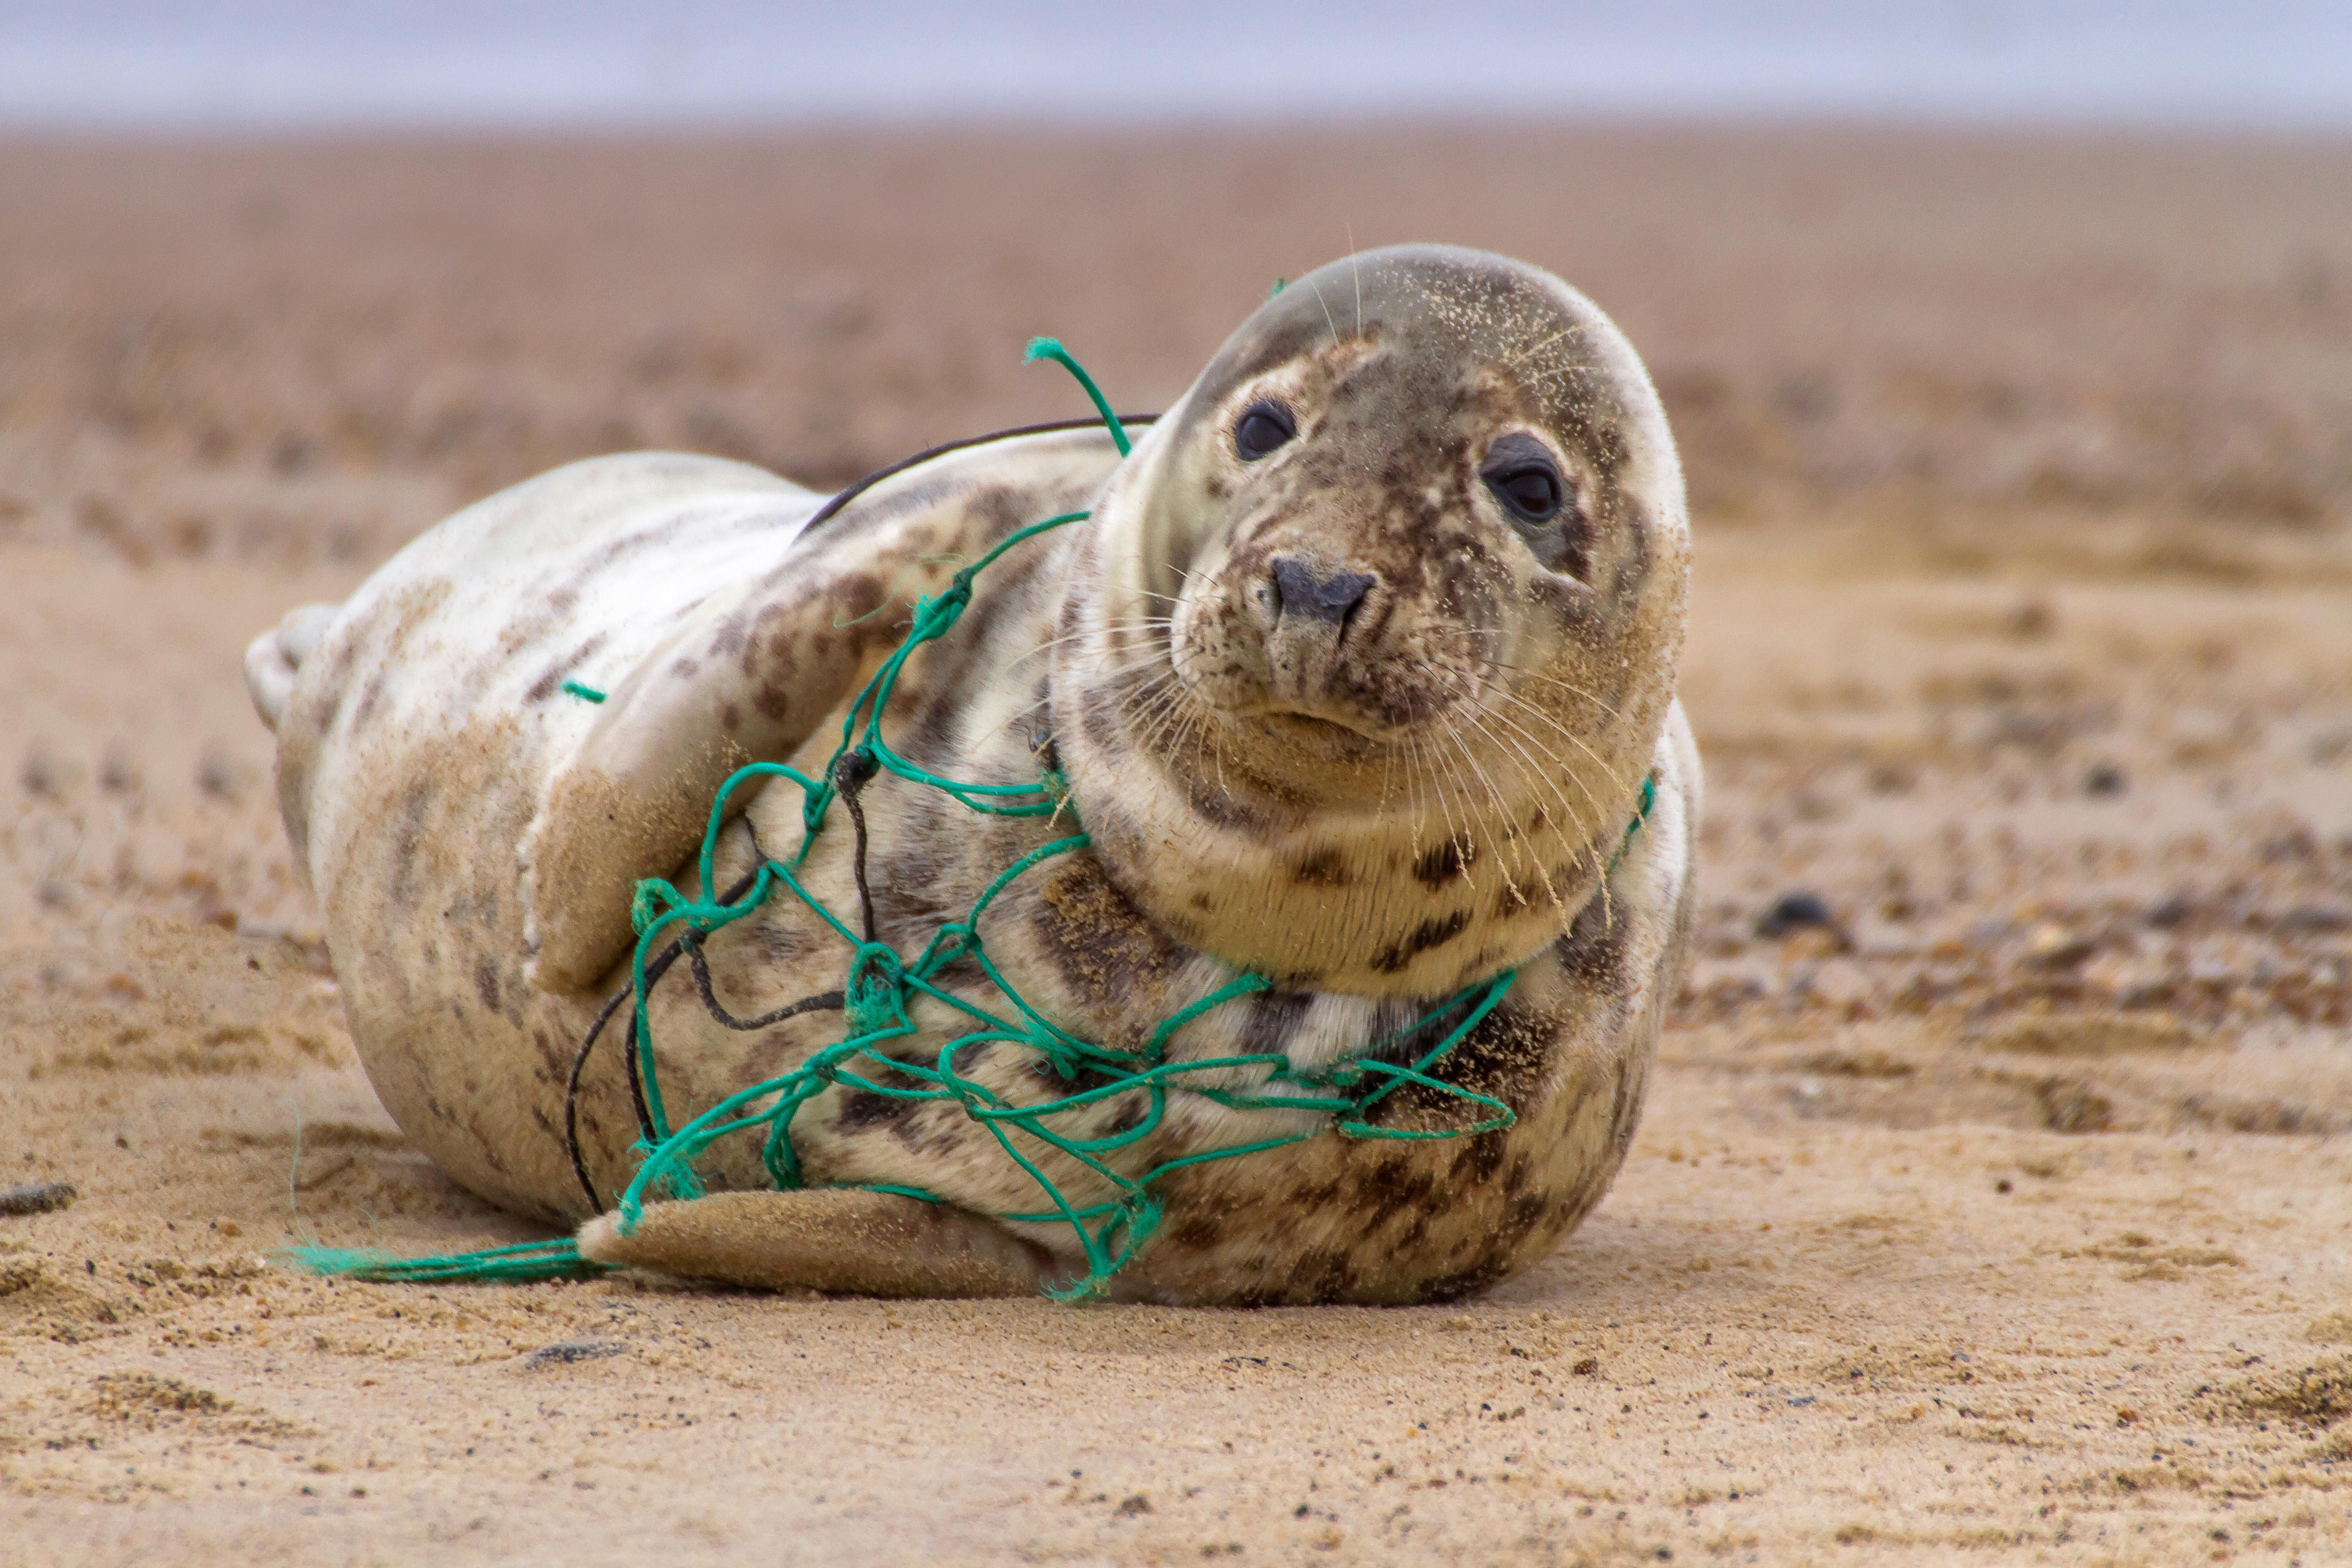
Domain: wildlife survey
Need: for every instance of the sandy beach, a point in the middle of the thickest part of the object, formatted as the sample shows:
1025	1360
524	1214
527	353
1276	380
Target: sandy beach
2004	1215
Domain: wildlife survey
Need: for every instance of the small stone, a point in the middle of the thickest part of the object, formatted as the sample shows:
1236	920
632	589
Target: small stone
1891	778
2030	621
47	775
2106	779
1793	912
222	775
2072	1106
2087	1035
2055	947
565	1353
2171	912
118	774
1135	1505
39	1197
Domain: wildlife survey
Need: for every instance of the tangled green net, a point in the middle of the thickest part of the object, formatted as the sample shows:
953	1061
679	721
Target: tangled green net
879	985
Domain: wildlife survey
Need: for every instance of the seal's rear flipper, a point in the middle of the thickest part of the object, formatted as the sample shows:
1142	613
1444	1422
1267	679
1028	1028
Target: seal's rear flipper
274	658
835	1239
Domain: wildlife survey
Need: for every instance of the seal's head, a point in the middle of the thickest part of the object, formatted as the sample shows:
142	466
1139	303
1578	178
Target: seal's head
1368	645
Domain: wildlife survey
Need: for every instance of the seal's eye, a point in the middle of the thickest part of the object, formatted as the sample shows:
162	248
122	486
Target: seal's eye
1524	478
1262	426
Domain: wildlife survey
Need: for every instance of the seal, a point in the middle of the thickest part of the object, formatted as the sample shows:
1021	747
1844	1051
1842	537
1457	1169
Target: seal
1359	672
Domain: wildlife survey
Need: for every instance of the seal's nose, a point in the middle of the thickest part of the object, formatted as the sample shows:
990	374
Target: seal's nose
1299	590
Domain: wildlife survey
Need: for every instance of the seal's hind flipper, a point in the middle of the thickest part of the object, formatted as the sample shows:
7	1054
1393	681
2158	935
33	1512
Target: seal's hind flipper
843	1241
274	659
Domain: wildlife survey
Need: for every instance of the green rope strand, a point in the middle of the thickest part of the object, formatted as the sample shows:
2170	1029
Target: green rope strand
1052	349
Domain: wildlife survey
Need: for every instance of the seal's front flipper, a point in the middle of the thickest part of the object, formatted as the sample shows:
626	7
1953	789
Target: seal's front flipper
834	1239
747	673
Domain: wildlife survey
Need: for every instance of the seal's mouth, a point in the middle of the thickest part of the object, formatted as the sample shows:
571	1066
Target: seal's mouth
1356	709
1317	726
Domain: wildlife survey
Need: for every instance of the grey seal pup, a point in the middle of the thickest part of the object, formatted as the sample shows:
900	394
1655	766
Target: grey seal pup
1360	672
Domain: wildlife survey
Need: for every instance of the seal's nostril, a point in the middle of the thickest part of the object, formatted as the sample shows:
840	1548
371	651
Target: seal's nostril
1299	590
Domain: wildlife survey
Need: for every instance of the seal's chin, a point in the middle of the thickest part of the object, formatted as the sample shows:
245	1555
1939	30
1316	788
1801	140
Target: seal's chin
1319	747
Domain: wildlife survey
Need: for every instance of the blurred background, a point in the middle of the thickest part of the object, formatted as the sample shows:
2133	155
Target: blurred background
543	63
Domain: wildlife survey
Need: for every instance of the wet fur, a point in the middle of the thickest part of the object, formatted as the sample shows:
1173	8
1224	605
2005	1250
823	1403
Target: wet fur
472	829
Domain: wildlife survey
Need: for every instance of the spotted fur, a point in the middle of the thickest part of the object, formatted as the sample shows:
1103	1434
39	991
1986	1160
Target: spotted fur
1371	803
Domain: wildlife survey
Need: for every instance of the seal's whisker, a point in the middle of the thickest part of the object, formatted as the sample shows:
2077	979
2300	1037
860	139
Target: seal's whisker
1576	819
1535	753
1568	686
1490	662
1504	843
1327	309
1171	708
1459	834
1138	623
1570	735
1524	766
1521	841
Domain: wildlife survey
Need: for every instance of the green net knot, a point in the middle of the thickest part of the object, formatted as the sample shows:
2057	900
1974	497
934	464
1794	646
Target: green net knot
676	1178
654	899
935	613
875	996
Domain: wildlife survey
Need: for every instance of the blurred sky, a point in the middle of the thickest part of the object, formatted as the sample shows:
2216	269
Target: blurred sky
324	63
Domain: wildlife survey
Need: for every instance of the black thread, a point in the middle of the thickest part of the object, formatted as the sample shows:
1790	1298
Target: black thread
825	513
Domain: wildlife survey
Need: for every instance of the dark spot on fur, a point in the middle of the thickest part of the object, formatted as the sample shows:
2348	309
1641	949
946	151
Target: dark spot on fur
1101	944
862	1108
1099	716
1321	868
486	982
1427	934
1477	1159
1489	1271
1221	807
1504	1058
1273	1020
858	596
1395	1184
553	678
407	839
1592	951
1197	1233
730	638
1625	1109
370	695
